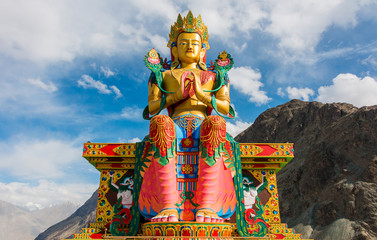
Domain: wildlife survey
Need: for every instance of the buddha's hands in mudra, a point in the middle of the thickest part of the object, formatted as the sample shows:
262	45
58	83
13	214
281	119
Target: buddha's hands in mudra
192	86
200	94
186	89
188	85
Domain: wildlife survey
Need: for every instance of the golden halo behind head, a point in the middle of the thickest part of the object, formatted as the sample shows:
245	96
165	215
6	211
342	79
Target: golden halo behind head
188	24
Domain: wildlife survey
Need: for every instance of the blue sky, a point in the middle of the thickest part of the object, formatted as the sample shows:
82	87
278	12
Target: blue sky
73	71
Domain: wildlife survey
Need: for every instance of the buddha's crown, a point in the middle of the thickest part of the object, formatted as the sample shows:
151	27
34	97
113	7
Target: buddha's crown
188	24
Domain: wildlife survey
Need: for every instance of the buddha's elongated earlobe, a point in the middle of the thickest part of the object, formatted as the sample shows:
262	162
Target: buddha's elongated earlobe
202	65
175	60
174	64
202	60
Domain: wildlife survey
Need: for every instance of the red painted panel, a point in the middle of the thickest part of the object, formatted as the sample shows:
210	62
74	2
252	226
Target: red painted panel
267	150
108	149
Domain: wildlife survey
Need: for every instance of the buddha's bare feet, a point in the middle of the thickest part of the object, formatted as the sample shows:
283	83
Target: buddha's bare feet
167	215
208	215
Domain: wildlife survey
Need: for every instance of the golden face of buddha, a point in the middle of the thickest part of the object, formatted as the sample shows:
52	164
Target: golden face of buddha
189	46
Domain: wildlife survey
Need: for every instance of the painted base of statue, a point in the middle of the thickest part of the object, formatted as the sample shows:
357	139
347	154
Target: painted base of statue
188	229
189	170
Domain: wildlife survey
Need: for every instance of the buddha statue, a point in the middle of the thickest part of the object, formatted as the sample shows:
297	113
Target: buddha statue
188	160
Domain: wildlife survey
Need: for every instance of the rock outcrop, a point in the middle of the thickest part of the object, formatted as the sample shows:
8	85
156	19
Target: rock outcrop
329	190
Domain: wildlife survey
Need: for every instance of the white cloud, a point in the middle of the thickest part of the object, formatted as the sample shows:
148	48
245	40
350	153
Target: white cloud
299	93
300	24
127	140
88	82
297	25
236	128
338	52
44	31
159	43
33	30
44	193
106	71
117	92
49	87
247	81
141	38
370	60
28	97
35	158
239	49
281	92
48	171
351	89
165	9
223	17
134	140
132	113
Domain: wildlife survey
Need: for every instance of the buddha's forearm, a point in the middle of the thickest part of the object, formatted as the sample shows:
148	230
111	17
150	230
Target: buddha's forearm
154	98
155	104
173	98
222	103
223	106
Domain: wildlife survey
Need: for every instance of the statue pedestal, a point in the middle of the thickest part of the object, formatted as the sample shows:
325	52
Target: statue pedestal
187	229
259	163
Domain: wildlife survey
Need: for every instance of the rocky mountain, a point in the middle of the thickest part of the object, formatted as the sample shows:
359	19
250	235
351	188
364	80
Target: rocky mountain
329	190
21	224
80	218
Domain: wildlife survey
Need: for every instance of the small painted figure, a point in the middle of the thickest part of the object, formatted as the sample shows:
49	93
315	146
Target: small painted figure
251	191
121	209
124	190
